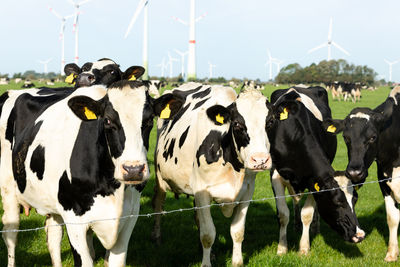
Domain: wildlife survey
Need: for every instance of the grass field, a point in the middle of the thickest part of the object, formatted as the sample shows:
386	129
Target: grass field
181	245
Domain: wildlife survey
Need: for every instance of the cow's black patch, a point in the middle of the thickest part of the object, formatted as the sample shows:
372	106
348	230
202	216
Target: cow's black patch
200	103
147	121
19	153
170	151
202	94
10	127
176	160
3	99
185	93
183	137
37	161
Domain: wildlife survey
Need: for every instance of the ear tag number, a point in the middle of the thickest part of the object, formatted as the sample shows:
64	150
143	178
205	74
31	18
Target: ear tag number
90	114
132	78
70	78
219	118
165	113
284	115
331	129
316	186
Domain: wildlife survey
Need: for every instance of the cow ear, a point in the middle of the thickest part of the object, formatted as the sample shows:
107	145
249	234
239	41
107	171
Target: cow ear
71	71
333	126
286	109
85	108
219	114
167	106
133	73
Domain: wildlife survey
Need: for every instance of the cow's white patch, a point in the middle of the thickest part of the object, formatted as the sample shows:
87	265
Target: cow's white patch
394	184
393	93
101	64
309	104
347	188
360	115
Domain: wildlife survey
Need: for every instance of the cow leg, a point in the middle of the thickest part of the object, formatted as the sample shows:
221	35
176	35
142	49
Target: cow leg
54	237
89	240
207	228
238	225
282	211
10	220
307	214
392	216
158	203
79	246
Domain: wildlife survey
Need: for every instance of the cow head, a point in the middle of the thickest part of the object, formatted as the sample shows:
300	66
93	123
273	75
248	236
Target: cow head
247	119
104	71
336	206
361	129
125	116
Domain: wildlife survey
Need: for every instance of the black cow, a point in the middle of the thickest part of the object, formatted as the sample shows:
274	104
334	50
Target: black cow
373	135
302	153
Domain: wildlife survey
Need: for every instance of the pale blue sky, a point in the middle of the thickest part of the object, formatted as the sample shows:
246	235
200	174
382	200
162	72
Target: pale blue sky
234	35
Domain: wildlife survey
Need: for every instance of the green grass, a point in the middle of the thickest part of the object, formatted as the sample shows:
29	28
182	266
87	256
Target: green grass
181	246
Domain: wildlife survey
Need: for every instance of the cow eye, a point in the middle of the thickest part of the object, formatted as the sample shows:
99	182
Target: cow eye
107	121
111	71
372	139
237	125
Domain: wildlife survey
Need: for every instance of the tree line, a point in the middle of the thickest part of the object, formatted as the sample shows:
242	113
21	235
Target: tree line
326	71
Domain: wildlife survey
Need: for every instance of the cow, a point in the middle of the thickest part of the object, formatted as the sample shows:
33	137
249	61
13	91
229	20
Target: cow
372	135
81	161
302	153
212	150
103	71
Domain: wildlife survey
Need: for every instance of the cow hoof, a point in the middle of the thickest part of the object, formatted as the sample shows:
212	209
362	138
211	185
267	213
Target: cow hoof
390	257
304	251
281	250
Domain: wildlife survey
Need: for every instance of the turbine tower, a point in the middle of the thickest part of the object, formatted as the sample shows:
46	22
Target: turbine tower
45	62
76	28
170	63
142	5
163	67
182	54
329	44
271	61
191	71
63	20
210	69
390	67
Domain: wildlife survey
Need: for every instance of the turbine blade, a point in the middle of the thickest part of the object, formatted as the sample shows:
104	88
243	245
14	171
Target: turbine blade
55	13
201	17
69	16
179	20
316	48
340	48
139	9
387	61
330	29
269	54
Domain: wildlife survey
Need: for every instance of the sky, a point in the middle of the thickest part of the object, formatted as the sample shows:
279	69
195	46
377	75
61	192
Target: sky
234	35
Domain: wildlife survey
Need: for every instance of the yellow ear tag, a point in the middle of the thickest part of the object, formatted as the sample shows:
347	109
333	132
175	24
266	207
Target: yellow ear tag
132	78
284	115
165	113
331	129
316	186
90	114
70	78
219	118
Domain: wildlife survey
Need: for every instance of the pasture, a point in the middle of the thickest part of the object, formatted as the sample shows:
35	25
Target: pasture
181	245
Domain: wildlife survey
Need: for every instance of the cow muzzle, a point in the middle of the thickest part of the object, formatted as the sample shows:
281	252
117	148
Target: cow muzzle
134	173
355	175
260	161
359	236
85	79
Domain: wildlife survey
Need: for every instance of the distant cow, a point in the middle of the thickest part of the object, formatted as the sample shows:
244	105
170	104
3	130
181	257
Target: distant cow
373	135
212	149
302	153
80	160
27	84
155	86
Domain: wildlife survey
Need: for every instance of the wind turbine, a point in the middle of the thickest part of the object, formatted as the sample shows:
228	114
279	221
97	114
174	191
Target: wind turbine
163	66
271	61
329	44
45	62
142	5
170	63
191	72
182	54
210	69
390	67
76	28
63	19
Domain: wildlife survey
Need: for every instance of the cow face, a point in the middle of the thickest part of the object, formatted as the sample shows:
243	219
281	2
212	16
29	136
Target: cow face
247	118
361	130
336	206
126	117
104	71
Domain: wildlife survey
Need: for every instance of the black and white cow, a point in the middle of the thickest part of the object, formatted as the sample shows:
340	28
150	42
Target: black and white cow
212	150
302	153
373	135
80	160
103	71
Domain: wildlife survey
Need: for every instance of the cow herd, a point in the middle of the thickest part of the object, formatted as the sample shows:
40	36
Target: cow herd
78	156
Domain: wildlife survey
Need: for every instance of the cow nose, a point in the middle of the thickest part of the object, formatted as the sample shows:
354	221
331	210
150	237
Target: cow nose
85	79
260	161
133	172
355	174
359	236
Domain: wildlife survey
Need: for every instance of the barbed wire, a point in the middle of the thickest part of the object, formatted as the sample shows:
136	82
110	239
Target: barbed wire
196	208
